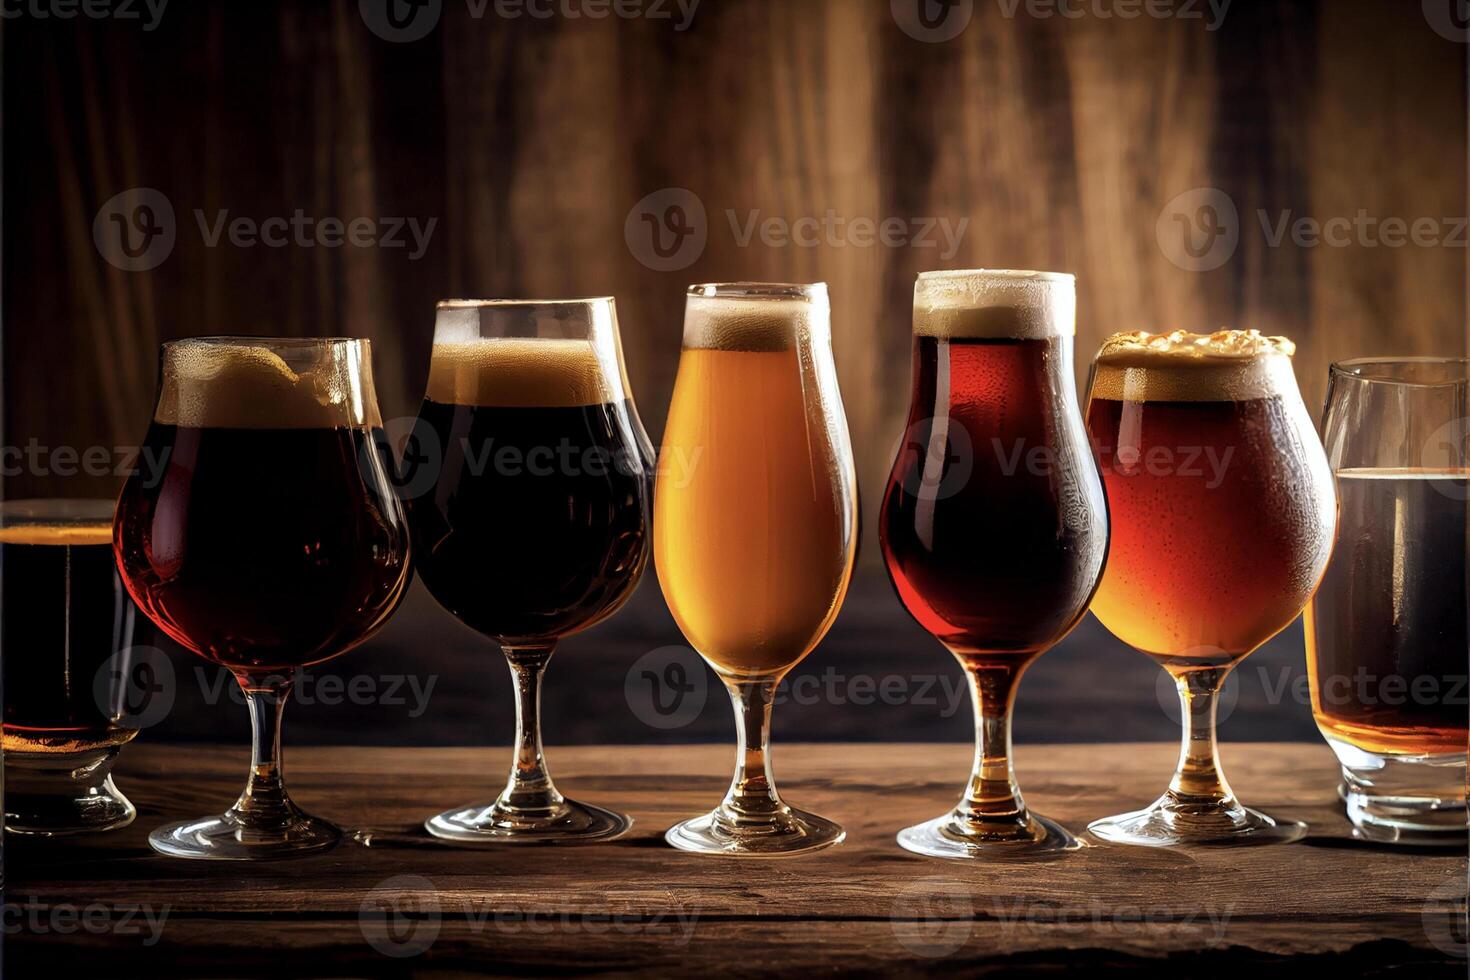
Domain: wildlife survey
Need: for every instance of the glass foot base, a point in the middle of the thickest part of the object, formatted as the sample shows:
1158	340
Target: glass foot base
224	838
950	836
789	831
1169	825
1412	822
62	794
493	823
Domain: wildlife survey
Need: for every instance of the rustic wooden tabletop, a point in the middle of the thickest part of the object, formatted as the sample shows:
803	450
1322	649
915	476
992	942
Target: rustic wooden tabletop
406	906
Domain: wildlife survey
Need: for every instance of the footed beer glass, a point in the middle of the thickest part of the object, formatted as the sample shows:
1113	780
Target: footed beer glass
994	527
272	539
755	528
1223	510
531	521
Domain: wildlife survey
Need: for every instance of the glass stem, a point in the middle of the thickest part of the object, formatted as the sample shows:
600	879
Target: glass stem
529	789
1198	782
264	806
752	798
993	796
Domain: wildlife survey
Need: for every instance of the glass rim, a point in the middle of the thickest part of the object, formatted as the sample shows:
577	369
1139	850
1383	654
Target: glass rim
758	290
483	304
1345	370
246	340
1003	274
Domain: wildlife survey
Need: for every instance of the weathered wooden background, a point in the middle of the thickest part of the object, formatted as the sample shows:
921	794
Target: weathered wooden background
1065	142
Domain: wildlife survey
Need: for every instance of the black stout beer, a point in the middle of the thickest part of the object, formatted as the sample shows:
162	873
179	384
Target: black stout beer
535	524
64	619
993	525
271	537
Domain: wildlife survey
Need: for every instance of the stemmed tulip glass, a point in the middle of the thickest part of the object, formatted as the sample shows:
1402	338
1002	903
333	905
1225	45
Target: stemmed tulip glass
755	520
272	539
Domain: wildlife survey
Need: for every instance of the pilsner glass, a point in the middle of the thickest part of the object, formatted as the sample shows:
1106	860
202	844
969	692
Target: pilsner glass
66	630
1386	632
994	527
534	526
755	527
272	539
1223	511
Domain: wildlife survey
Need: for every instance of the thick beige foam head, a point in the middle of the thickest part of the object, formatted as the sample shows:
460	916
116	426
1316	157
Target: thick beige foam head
524	372
756	316
994	304
260	383
1228	365
509	353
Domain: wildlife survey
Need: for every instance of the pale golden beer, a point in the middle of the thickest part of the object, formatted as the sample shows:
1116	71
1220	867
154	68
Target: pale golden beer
755	527
754	519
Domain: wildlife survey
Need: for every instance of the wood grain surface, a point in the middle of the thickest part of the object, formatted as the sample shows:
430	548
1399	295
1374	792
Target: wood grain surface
406	906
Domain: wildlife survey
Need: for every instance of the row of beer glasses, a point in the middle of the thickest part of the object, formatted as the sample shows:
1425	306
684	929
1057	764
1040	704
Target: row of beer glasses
754	542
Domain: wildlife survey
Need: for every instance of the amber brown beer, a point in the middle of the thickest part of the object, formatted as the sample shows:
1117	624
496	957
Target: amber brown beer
535	524
1222	521
65	619
1387	631
756	524
271	538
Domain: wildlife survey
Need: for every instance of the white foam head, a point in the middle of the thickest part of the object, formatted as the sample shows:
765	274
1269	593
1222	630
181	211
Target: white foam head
267	383
754	316
994	304
1228	365
527	353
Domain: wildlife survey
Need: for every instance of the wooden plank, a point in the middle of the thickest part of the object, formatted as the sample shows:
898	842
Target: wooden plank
638	905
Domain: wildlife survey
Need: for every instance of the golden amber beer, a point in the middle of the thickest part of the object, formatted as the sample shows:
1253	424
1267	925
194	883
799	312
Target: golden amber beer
1222	512
755	525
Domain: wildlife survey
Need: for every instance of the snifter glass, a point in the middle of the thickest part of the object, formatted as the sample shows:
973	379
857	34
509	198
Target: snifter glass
270	539
993	525
755	527
1387	631
528	475
1222	510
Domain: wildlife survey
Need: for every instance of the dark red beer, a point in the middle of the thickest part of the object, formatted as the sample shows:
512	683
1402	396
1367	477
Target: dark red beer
993	527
